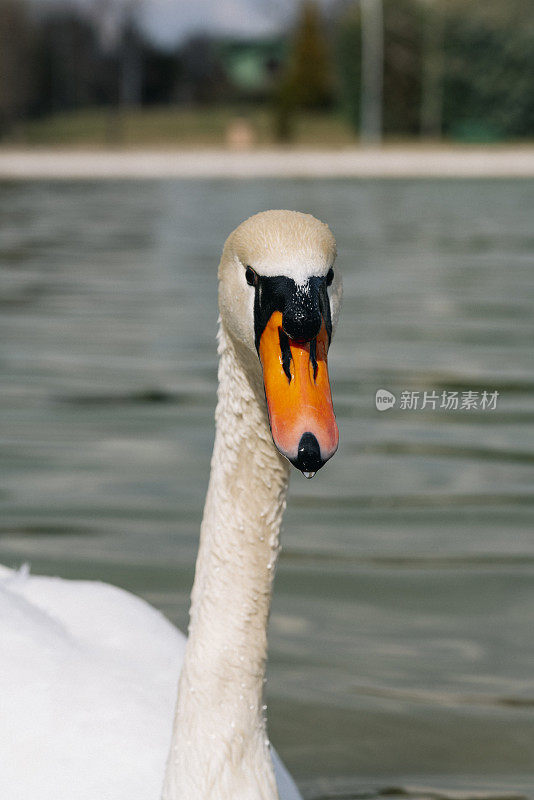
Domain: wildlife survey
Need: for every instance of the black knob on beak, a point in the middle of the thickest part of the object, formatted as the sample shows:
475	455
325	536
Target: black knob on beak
309	454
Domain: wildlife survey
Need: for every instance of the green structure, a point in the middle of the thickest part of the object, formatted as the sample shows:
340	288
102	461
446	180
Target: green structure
252	66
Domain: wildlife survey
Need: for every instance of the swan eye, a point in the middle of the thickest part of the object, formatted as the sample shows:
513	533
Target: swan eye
251	276
329	276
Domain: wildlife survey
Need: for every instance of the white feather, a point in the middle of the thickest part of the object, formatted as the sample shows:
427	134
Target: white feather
87	689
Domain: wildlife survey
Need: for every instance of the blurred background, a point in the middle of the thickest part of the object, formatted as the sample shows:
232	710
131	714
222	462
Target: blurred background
263	71
401	647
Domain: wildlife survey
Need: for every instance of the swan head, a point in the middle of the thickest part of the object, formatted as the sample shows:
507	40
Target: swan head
280	297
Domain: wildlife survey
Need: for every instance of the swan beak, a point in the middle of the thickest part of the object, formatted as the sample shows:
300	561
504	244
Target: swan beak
299	400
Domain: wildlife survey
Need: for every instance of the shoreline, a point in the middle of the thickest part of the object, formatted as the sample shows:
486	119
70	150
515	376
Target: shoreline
416	161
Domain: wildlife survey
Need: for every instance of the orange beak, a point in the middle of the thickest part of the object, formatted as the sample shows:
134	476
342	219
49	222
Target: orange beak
299	400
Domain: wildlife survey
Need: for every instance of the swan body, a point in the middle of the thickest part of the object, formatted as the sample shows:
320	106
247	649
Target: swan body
87	689
94	668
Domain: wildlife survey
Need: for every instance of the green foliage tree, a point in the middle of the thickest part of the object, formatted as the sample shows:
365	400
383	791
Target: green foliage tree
308	80
402	66
489	69
349	63
460	67
310	73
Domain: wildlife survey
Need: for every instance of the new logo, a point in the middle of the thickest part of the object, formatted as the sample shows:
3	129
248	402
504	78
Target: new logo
384	400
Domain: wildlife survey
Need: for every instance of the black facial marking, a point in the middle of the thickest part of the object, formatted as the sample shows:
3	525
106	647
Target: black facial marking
303	307
301	318
313	357
330	276
286	353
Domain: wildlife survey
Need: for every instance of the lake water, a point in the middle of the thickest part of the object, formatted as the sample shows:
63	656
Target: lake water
402	632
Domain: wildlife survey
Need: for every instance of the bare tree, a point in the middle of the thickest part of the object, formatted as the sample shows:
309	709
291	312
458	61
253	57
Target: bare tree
372	16
116	21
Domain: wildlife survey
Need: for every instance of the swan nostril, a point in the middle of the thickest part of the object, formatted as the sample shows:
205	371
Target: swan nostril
301	327
309	454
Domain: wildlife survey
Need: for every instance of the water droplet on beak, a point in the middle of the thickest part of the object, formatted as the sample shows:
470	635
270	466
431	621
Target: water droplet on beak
308	474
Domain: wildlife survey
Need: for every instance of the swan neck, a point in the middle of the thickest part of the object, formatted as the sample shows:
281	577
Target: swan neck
220	734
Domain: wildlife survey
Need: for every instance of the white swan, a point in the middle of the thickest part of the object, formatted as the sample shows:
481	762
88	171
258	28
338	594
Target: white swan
88	672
